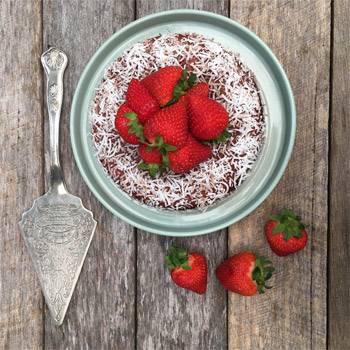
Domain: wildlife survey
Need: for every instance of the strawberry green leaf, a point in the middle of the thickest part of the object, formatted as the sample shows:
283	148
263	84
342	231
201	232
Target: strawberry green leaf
134	126
185	266
256	274
176	260
183	75
278	229
223	137
288	213
297	234
182	253
163	149
178	90
169	263
191	80
262	272
131	115
181	87
159	140
165	161
163	152
171	102
169	148
152	168
177	257
288	224
142	166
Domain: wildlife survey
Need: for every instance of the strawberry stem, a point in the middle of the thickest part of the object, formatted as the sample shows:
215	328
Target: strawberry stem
288	224
134	126
262	272
177	257
163	149
152	168
180	89
223	137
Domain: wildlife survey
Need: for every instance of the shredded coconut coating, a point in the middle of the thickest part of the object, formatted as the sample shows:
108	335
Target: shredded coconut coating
231	83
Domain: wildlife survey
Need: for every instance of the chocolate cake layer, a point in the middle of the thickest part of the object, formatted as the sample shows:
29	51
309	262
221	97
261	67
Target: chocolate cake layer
231	83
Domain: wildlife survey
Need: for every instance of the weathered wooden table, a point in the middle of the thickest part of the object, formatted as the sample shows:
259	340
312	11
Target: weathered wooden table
124	298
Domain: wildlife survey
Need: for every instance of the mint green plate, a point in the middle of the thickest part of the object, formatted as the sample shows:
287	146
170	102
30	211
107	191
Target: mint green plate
280	134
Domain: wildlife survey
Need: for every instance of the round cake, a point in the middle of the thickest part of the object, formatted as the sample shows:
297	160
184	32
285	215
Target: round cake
231	83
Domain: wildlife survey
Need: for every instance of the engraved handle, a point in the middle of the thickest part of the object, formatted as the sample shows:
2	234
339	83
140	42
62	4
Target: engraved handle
54	62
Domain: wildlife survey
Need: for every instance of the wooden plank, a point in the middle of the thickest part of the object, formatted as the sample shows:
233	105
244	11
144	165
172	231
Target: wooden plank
339	250
293	314
167	316
21	164
101	314
144	8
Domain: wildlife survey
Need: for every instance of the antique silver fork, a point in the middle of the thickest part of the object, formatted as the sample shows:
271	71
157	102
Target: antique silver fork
57	229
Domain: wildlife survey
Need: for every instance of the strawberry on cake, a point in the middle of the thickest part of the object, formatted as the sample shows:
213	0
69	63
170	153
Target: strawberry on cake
177	122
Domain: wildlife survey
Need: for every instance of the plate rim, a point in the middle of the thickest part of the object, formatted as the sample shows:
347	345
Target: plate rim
280	167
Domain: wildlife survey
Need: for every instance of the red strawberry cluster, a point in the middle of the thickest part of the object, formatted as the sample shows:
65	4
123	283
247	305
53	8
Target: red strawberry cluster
244	273
172	119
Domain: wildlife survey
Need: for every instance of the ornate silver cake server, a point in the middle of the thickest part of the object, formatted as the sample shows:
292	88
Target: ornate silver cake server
57	229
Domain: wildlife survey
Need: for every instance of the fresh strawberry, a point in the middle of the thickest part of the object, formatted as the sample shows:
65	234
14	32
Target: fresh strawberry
188	270
168	84
285	233
168	126
141	101
161	83
190	155
152	160
245	273
126	123
208	118
201	89
150	155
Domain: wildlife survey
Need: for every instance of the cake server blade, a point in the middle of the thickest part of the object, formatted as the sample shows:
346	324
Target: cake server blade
57	229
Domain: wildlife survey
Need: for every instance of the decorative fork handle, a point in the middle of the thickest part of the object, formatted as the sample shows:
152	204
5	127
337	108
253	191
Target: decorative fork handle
54	62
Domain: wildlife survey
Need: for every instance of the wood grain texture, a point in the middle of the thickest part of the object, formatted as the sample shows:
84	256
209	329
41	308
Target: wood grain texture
167	316
145	7
101	313
339	259
293	314
21	163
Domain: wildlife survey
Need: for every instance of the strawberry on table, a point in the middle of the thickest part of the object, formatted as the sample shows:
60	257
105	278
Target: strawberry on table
285	233
169	125
208	118
245	273
141	101
168	84
189	156
188	270
127	124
